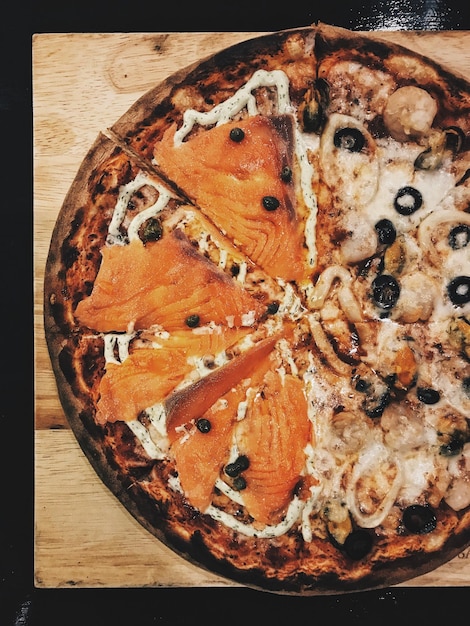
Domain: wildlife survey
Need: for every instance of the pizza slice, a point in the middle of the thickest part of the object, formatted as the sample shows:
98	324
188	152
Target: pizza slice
242	176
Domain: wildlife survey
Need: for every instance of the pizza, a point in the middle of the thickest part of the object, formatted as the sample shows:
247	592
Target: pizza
257	307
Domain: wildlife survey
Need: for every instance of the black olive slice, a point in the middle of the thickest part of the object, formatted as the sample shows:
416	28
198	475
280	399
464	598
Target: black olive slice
270	203
385	291
419	519
272	308
350	139
192	321
459	290
386	232
203	425
234	469
428	395
239	483
358	544
459	237
237	134
243	462
407	201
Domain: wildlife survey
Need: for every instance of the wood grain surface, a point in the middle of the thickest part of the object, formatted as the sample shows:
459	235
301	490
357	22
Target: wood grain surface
82	83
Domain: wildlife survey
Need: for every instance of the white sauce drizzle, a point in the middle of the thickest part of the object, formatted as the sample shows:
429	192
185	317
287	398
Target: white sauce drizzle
113	341
242	409
225	111
145	439
115	236
306	175
175	484
294	511
163	198
223	259
157	416
241	277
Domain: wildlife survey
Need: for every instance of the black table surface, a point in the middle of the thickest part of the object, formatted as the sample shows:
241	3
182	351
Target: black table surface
20	602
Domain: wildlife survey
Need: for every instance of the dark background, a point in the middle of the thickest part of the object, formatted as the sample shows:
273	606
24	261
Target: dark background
20	603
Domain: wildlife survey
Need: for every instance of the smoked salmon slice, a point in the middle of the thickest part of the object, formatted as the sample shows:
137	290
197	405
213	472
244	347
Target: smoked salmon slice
143	379
200	453
240	174
273	436
200	456
148	375
193	401
163	283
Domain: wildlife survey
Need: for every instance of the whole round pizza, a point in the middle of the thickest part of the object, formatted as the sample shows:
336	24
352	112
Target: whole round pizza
257	307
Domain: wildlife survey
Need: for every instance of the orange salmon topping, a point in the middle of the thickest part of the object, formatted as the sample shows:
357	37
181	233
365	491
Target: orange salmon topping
244	186
273	436
200	456
162	283
143	379
193	401
148	375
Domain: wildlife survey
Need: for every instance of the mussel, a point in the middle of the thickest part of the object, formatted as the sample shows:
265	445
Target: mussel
448	141
313	109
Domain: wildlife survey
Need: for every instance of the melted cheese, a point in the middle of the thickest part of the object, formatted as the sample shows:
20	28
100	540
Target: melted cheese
353	175
396	171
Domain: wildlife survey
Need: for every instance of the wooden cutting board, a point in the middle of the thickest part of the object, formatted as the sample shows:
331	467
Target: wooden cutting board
82	83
